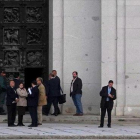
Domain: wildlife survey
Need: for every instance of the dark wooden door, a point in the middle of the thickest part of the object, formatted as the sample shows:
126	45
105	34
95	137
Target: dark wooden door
24	39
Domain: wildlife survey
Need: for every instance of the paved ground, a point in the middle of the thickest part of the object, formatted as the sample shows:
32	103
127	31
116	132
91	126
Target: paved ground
70	131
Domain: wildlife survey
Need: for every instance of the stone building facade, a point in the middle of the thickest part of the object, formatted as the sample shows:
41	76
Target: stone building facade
100	39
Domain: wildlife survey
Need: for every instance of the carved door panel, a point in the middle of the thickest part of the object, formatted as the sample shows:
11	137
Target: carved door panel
24	27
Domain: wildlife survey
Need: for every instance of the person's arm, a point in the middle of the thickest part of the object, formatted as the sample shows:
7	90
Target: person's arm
79	88
103	93
11	95
34	93
22	93
113	94
41	93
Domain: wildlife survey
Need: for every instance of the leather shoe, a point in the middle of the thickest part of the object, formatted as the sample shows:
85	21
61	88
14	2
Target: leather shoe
109	126
39	123
12	125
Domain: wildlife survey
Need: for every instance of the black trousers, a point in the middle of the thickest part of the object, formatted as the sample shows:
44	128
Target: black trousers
33	114
103	113
11	110
54	101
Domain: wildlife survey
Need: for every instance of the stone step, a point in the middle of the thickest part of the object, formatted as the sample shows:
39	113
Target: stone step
74	119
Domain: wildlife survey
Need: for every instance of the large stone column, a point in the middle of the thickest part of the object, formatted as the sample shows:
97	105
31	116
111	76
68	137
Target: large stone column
121	22
109	43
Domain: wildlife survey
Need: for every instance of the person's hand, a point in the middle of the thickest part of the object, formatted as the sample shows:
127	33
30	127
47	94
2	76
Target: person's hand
16	100
110	96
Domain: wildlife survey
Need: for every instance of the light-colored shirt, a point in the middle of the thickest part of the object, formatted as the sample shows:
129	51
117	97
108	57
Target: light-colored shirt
109	91
72	84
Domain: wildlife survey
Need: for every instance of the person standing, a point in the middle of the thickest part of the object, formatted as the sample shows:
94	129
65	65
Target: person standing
108	95
54	72
11	101
76	93
33	103
17	80
22	103
53	94
3	88
42	99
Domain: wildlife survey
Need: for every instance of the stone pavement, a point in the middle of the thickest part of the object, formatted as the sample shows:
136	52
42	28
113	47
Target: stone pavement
70	131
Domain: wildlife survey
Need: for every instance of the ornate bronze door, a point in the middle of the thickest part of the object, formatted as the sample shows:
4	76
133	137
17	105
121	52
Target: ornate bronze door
24	27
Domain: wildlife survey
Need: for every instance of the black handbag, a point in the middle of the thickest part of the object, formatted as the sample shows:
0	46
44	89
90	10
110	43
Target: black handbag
62	98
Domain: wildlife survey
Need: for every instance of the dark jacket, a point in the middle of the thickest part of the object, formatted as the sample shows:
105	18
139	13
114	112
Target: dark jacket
104	95
11	96
3	84
53	87
17	83
32	99
77	87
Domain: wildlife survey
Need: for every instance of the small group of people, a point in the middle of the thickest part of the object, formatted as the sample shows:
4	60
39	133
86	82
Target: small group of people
42	95
18	99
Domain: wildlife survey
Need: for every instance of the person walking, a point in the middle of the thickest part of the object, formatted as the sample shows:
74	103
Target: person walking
22	103
11	101
76	93
3	88
54	72
53	94
32	101
108	95
42	99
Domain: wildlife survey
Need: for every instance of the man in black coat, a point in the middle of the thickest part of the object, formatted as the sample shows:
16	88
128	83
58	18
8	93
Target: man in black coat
108	94
76	93
54	72
12	99
53	94
32	102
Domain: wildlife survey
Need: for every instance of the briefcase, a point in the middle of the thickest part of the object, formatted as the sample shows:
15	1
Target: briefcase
62	98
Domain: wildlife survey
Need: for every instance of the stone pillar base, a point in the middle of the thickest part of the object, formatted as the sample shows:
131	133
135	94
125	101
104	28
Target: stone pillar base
119	111
132	111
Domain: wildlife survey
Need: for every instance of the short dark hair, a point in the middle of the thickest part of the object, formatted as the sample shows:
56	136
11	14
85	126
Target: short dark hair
110	81
51	75
34	82
75	72
21	83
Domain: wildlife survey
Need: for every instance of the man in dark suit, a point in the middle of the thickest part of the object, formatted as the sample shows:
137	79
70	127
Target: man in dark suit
32	102
53	94
76	93
54	72
12	99
108	94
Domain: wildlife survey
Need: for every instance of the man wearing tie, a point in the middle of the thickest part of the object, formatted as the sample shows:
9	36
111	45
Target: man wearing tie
108	94
12	99
32	102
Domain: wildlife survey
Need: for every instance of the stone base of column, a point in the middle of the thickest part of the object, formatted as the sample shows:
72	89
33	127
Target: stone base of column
119	111
132	111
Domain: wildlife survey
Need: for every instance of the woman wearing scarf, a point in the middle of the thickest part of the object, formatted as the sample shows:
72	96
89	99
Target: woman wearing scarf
22	93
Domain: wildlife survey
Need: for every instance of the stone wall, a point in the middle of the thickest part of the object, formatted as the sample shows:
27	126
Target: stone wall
98	56
77	46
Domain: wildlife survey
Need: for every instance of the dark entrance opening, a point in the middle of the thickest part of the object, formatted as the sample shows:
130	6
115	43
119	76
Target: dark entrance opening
31	74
